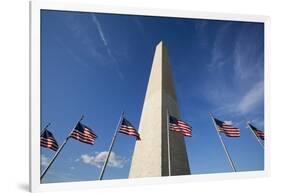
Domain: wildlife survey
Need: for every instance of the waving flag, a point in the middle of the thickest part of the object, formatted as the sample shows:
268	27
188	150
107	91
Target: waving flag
180	126
83	134
128	129
258	133
47	140
227	128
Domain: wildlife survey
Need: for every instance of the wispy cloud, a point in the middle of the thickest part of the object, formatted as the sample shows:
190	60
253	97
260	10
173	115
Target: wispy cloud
96	47
140	27
237	88
98	159
105	43
96	21
79	60
248	57
219	55
44	161
246	103
258	122
252	99
80	38
201	33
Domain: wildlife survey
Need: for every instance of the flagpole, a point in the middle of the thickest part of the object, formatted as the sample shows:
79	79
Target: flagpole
42	131
59	150
168	144
110	147
255	135
223	145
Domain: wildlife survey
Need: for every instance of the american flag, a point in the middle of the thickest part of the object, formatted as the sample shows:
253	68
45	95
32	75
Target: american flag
128	129
180	126
227	128
258	133
47	140
83	134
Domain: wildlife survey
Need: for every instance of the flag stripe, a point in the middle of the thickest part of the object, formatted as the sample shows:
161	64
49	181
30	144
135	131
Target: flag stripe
228	129
47	140
89	132
128	129
258	133
77	135
178	129
83	140
129	133
180	126
83	134
183	132
48	145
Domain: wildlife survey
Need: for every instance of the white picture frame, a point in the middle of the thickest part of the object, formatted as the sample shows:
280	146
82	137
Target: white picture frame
36	6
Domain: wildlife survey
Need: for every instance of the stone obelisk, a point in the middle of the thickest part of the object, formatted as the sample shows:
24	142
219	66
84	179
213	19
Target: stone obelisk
150	157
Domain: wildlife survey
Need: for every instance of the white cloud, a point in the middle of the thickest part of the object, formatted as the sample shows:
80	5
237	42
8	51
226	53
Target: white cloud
105	43
81	36
245	104
228	122
99	158
78	59
242	87
104	40
201	33
259	122
96	21
248	54
44	161
99	51
219	56
252	98
245	65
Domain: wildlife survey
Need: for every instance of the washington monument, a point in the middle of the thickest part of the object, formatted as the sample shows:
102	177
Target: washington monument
151	158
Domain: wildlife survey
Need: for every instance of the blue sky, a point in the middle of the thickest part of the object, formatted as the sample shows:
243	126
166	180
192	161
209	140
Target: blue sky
98	65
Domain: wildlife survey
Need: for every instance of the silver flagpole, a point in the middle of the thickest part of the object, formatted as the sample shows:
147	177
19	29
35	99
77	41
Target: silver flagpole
59	150
223	145
255	135
42	131
110	147
168	143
